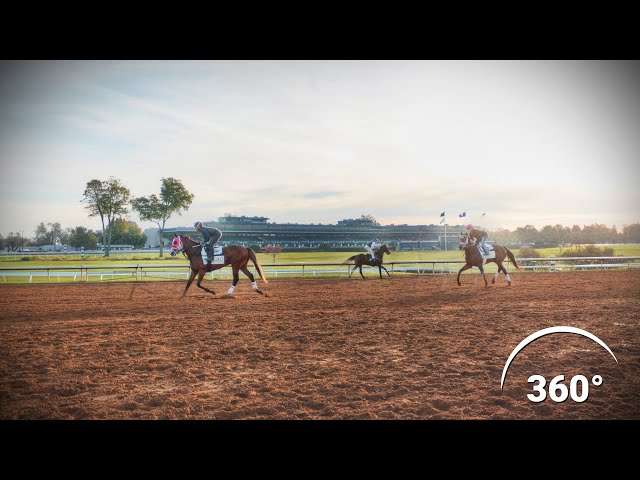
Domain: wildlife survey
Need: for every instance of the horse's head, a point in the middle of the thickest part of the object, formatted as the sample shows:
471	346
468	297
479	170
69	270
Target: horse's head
384	249
176	245
464	241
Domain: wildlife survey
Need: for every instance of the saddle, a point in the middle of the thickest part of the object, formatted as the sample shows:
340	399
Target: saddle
491	251
218	256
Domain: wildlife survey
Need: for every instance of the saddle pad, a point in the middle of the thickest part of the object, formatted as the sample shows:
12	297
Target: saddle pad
218	256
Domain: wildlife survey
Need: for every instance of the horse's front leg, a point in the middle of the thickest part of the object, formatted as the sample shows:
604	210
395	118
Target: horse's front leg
361	274
385	271
200	277
466	267
189	282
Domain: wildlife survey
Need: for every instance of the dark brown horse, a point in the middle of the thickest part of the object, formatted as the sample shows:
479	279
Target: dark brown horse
473	258
363	259
235	255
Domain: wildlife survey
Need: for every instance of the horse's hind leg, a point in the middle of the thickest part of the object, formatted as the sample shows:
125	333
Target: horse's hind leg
497	274
246	271
355	267
236	277
501	269
506	276
483	276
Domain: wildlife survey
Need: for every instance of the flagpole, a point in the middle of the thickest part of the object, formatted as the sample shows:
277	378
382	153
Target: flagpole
445	235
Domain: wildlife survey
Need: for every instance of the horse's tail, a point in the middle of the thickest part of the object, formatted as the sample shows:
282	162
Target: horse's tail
349	259
252	257
512	258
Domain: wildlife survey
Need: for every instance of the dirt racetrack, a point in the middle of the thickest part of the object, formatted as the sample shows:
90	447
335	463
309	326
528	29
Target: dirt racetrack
400	348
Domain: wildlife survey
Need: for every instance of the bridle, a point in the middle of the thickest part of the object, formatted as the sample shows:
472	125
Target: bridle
464	244
177	246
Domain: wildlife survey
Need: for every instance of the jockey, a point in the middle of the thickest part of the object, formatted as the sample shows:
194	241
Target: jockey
211	236
371	246
481	239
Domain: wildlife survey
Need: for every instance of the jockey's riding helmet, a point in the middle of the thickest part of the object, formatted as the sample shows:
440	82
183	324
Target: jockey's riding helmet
197	224
469	226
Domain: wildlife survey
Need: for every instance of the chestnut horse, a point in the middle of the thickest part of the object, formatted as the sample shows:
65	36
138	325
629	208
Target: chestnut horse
363	259
235	255
473	258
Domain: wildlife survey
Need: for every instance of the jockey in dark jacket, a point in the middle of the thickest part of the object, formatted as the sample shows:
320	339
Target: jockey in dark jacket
211	236
481	239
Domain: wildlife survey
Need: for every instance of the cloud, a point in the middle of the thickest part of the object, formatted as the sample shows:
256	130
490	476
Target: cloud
319	141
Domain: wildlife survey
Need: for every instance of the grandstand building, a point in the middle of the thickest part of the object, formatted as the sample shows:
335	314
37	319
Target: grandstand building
245	230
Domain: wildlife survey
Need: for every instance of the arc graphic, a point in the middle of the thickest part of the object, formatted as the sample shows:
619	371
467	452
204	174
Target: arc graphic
547	331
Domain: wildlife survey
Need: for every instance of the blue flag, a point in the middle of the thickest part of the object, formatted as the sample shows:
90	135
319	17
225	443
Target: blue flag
463	214
441	218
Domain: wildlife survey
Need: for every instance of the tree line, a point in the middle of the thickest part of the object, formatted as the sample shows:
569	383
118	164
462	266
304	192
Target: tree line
123	232
111	201
550	235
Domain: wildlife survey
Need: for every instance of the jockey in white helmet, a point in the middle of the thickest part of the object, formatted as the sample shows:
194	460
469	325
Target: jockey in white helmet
371	246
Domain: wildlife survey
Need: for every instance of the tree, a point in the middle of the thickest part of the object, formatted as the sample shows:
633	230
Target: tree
83	237
174	198
1	242
49	236
527	234
575	235
369	218
631	233
599	233
107	199
503	236
272	250
125	232
14	241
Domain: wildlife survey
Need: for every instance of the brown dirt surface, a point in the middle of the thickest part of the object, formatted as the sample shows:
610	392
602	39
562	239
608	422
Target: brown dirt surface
398	348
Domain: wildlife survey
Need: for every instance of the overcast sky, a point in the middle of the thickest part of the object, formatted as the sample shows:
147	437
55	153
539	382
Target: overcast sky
318	141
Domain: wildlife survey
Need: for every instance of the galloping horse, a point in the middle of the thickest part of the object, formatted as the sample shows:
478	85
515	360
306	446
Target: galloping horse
363	259
235	255
473	258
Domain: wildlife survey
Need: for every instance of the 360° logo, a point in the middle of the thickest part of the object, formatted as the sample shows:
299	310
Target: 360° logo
558	392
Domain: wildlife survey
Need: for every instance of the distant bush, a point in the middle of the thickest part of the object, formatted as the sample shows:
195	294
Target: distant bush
256	248
325	247
528	252
25	259
589	251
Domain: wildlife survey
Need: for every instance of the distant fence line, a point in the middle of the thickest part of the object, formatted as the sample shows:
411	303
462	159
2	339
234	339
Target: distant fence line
166	271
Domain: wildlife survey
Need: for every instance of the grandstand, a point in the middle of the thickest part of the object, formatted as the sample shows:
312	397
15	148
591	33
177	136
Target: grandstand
246	230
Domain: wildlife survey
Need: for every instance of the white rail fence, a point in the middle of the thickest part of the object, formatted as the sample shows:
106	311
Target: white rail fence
85	273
